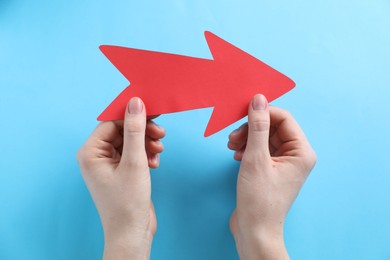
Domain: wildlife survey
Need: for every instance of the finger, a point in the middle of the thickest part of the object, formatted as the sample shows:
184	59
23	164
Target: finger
287	129
239	154
290	140
293	141
106	132
149	118
153	160
133	153
153	146
239	133
238	138
120	149
154	131
233	146
236	146
258	128
272	150
119	123
274	139
100	144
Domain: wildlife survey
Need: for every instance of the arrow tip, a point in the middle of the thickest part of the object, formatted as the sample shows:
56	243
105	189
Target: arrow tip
244	76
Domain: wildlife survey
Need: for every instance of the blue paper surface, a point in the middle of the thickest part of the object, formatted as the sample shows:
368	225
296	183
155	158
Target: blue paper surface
54	82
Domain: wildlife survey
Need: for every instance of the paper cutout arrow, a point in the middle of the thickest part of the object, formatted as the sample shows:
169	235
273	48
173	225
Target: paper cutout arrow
170	83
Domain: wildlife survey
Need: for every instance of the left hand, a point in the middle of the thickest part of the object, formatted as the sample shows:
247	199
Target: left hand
115	163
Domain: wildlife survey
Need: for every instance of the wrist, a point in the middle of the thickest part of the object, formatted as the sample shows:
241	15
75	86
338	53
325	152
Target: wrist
127	244
261	244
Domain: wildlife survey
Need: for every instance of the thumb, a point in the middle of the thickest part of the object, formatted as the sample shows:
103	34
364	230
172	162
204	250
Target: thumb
134	153
258	127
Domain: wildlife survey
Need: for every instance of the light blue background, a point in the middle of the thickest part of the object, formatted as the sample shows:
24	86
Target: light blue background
54	82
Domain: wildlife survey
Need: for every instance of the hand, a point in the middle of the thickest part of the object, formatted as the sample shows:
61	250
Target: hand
276	159
114	163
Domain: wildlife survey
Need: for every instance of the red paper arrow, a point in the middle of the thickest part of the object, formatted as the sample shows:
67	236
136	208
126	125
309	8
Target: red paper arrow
170	83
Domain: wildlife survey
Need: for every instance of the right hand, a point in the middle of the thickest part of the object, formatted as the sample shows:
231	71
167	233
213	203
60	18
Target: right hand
276	159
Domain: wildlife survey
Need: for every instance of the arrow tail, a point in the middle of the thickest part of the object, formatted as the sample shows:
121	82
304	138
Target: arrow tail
116	110
155	104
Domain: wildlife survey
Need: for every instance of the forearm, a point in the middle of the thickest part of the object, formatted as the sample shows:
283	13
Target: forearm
264	246
135	246
119	251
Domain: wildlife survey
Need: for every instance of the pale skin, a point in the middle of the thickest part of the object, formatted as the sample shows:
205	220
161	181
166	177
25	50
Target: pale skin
276	159
275	156
115	163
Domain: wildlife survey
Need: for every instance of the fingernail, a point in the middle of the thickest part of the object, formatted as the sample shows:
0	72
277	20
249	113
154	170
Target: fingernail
259	102
135	106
